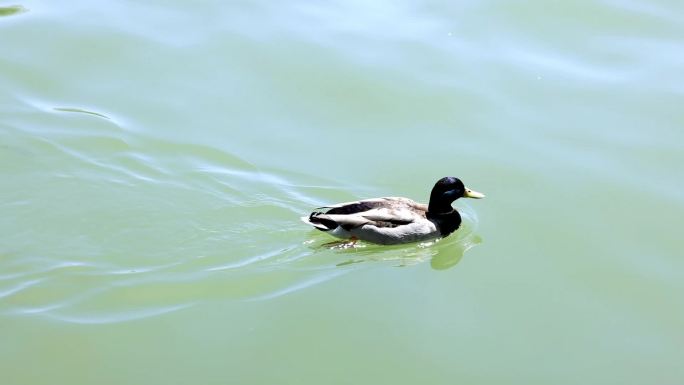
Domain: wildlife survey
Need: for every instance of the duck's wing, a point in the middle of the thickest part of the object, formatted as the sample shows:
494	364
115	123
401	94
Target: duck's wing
379	212
355	206
375	203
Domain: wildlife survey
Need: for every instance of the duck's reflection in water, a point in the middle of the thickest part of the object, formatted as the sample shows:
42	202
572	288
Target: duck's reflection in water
451	256
441	256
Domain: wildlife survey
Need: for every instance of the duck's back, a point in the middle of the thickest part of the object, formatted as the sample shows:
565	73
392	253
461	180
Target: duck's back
391	203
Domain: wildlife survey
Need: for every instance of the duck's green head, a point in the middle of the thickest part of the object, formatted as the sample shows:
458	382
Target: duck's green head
447	190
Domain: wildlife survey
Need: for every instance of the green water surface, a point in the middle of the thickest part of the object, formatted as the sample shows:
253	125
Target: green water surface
156	157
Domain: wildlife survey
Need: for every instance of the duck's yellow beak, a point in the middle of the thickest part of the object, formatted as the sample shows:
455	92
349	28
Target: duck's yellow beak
473	194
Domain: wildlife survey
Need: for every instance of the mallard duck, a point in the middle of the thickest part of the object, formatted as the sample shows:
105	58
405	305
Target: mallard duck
394	220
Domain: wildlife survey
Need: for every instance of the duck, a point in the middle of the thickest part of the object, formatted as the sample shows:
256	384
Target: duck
395	220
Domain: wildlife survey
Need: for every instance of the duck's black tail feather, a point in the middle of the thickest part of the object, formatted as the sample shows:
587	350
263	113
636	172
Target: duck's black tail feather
319	221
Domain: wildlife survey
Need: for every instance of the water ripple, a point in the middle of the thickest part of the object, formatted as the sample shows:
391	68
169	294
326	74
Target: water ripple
111	226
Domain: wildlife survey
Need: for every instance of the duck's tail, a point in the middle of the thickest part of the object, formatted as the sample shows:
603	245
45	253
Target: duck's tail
320	221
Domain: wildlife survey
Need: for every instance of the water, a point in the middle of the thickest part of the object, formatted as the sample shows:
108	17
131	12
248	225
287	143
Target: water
156	156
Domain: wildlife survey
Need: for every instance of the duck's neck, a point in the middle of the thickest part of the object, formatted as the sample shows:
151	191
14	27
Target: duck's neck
439	206
447	222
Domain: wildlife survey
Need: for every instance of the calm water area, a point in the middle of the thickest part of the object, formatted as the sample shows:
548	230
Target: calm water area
155	158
